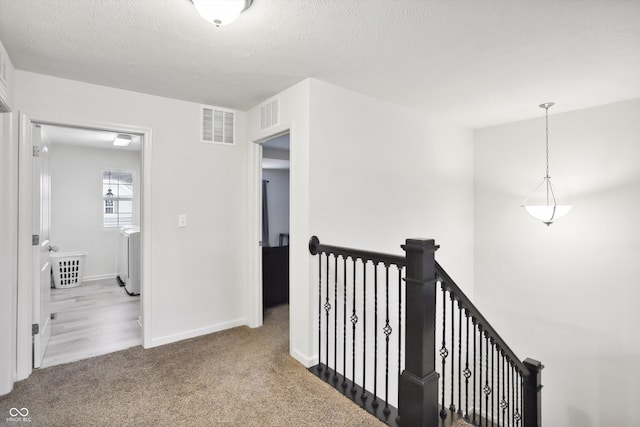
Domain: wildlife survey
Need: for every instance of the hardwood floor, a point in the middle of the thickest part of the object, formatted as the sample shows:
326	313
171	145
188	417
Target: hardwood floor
93	319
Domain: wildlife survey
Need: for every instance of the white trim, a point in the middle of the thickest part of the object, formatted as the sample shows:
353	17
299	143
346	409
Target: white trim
24	297
305	360
254	297
197	332
97	277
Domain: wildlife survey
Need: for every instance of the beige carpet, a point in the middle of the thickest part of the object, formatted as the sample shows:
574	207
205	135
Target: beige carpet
239	377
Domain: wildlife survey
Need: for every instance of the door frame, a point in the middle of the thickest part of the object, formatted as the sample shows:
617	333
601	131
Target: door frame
255	312
24	302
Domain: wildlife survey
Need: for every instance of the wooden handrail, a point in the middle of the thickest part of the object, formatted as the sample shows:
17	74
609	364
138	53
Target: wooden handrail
315	247
459	295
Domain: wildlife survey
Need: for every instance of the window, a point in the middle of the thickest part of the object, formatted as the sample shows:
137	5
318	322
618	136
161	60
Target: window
117	195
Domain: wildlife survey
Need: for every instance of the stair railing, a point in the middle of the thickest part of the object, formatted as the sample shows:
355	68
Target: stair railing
400	327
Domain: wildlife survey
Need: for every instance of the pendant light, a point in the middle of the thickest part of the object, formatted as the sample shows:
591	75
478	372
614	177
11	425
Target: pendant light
221	12
546	205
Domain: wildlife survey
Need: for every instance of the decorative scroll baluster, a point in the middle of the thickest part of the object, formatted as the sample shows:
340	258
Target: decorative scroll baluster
501	388
459	359
509	398
518	401
375	336
513	394
327	308
467	372
319	312
486	389
364	331
354	321
493	375
335	319
497	395
443	350
387	331
452	406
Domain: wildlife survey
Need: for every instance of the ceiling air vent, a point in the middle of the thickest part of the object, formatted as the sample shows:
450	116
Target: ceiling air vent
270	114
217	125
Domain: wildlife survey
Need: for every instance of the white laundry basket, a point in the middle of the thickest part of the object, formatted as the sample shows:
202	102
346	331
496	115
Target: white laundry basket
68	269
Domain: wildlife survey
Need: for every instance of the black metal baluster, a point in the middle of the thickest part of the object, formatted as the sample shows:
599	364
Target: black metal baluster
513	388
497	396
399	322
319	312
327	308
475	365
486	389
344	322
480	379
459	359
335	319
374	403
519	392
443	350
364	332
452	406
493	375
503	402
506	388
467	372
521	402
354	321
387	331
509	388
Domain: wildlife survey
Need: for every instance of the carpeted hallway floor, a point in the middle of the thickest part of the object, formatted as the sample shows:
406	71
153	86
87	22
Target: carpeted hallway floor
238	377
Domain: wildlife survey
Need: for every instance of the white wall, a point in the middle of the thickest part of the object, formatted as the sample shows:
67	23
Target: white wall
76	203
294	116
8	237
567	294
356	162
381	174
197	272
277	202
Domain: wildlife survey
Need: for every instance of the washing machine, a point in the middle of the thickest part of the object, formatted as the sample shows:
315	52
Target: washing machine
129	260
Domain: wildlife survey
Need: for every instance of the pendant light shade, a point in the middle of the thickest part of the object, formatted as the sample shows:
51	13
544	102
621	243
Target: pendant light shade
221	12
544	203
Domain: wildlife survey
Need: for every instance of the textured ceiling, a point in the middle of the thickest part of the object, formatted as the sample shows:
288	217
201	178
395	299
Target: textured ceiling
473	63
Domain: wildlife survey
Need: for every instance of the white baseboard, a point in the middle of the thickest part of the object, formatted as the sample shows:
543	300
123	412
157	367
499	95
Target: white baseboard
99	277
305	360
155	342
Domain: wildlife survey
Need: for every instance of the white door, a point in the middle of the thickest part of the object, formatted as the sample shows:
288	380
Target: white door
42	246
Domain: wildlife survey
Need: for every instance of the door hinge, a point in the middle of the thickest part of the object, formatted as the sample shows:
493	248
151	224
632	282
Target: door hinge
35	329
36	151
35	239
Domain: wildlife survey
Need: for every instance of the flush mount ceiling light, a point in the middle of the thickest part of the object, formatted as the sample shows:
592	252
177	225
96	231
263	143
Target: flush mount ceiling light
221	12
122	140
545	202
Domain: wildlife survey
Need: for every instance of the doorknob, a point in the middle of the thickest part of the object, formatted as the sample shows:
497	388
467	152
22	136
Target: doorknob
53	248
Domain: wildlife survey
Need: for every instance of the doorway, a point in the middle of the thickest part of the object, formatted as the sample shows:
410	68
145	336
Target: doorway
95	211
275	220
28	284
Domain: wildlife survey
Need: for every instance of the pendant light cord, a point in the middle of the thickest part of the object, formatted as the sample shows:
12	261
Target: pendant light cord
546	115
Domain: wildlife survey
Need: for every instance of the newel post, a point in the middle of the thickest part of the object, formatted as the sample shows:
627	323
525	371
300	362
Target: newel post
532	394
418	390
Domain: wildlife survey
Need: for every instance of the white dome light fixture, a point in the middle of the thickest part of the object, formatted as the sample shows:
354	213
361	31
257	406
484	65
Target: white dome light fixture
546	205
221	12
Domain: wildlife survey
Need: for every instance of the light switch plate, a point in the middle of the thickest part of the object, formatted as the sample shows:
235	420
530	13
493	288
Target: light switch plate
182	220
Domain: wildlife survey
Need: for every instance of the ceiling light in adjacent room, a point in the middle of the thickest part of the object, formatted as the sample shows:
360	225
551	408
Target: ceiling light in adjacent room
122	140
221	12
545	202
